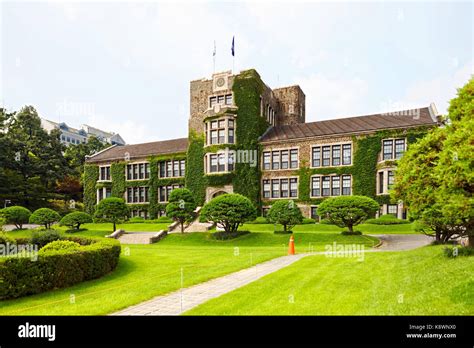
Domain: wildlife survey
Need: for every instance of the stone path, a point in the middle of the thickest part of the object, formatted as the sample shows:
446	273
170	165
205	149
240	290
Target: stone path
185	299
180	301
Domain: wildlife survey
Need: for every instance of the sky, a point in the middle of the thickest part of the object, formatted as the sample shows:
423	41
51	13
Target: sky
126	66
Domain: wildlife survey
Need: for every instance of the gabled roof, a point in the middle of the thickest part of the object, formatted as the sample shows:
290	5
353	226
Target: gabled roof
121	152
359	124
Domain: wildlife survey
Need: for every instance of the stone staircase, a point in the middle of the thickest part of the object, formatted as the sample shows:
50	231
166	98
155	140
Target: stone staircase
194	226
138	237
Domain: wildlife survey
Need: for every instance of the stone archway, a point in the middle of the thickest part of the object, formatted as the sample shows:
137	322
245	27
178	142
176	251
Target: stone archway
212	192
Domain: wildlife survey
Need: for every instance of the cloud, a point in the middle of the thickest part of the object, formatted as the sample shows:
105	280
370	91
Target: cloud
328	98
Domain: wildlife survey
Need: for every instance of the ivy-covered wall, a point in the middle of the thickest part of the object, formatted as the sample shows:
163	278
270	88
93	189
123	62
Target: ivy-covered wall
91	175
363	170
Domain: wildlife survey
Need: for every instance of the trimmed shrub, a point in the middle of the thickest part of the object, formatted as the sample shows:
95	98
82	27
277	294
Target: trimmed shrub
45	217
286	213
387	219
308	221
64	245
6	239
55	269
162	219
348	211
75	220
16	215
222	235
41	238
136	220
181	206
229	210
326	222
349	233
259	220
112	210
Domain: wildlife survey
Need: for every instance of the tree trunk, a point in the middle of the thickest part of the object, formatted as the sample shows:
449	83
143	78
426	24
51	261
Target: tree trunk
351	230
284	228
470	239
182	226
114	226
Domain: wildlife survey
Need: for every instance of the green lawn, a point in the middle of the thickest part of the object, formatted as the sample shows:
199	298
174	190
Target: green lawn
365	228
145	271
417	282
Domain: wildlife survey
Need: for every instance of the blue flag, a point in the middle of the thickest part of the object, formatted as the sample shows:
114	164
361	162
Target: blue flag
233	47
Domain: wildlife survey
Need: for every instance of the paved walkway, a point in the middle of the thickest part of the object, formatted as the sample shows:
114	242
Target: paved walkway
183	300
180	301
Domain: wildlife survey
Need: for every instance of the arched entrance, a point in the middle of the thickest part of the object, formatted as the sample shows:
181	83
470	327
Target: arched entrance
212	192
218	193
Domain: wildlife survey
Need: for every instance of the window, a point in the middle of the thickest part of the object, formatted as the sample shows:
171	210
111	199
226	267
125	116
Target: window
346	154
326	183
220	163
387	149
326	156
280	188
266	188
138	171
336	186
399	148
137	194
266	160
330	155
102	193
316	186
392	209
294	187
104	173
139	213
172	169
275	188
316	156
165	191
280	159
284	159
275	160
220	131
294	158
330	185
346	185
284	188
336	155
224	99
314	213
390	179
381	190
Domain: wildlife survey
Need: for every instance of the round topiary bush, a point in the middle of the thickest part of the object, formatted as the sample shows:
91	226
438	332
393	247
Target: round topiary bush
61	245
286	213
45	217
41	238
16	215
6	239
58	265
75	220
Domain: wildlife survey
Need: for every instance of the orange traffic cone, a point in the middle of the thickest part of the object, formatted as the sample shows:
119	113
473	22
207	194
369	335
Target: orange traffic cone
291	246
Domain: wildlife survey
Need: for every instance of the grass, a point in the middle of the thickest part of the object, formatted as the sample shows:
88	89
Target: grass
145	271
416	282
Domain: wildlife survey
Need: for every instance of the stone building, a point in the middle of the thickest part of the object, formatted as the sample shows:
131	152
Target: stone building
247	138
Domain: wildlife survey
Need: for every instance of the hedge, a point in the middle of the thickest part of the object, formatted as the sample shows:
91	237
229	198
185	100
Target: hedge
53	269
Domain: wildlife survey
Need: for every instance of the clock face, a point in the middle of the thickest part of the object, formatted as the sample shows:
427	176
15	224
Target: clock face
220	82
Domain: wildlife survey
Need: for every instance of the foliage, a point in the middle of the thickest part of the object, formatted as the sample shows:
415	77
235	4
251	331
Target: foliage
6	239
61	245
16	215
117	174
458	251
387	219
136	219
57	267
286	213
91	175
75	219
76	154
65	207
45	217
435	177
222	235
308	221
260	220
163	219
229	211
195	180
112	210
41	238
348	211
181	206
